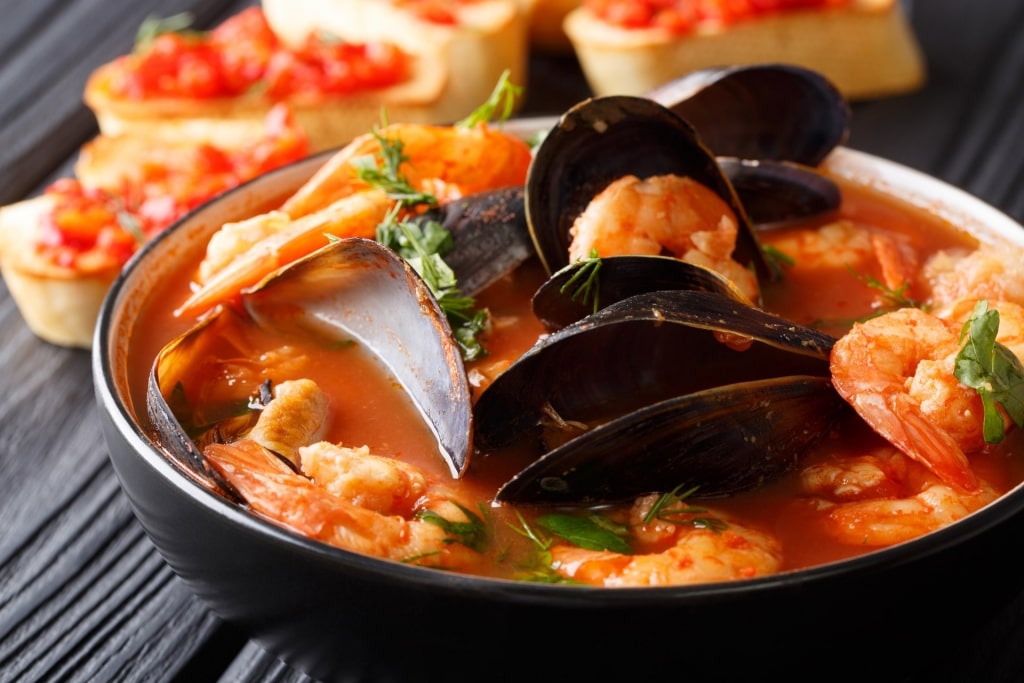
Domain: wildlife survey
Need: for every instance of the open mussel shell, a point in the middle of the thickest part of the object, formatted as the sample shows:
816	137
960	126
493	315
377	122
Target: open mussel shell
163	390
718	442
642	350
489	234
779	112
571	294
776	193
350	291
602	139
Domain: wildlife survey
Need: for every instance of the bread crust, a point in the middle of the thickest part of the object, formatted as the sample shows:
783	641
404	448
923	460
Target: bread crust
867	49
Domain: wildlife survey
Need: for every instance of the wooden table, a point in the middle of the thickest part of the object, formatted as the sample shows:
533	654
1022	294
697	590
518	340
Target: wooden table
83	594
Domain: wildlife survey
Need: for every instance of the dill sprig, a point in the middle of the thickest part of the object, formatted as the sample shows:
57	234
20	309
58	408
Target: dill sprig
665	509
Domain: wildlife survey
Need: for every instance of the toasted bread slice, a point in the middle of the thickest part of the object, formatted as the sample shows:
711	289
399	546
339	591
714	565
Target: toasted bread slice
866	48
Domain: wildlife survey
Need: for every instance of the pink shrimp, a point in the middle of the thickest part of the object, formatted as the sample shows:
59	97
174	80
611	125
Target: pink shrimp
897	371
679	553
662	214
881	498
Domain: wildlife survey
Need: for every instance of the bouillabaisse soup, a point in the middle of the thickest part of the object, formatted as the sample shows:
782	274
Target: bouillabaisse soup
370	479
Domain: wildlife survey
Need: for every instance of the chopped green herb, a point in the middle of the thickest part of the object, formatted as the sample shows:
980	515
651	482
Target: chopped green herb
539	566
664	510
503	96
472	533
153	27
592	532
584	285
896	297
993	370
777	260
423	246
384	173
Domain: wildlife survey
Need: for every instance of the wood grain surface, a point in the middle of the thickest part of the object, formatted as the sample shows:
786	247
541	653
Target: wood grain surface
83	594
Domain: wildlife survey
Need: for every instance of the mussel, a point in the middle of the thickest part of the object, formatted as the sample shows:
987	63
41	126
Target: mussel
776	112
600	140
579	289
770	125
489	233
660	353
352	290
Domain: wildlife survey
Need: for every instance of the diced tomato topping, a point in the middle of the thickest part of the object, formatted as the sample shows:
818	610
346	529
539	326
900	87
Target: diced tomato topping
104	227
682	16
243	55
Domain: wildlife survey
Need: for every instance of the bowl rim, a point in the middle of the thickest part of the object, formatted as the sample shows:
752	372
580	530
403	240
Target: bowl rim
958	206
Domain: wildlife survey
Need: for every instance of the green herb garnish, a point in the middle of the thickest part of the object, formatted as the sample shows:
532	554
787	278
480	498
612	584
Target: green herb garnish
503	96
593	532
778	261
152	27
993	370
584	284
472	533
897	298
423	245
664	510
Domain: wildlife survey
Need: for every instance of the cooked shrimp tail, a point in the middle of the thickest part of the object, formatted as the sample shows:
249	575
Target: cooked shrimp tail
355	216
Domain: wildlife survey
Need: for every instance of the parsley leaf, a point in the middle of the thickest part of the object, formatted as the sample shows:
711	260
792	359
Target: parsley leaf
592	532
471	533
992	369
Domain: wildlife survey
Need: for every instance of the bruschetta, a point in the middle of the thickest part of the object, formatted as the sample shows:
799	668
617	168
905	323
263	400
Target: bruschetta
339	66
628	47
61	250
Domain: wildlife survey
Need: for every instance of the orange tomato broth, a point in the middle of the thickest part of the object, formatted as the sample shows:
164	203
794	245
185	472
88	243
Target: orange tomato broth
685	16
370	414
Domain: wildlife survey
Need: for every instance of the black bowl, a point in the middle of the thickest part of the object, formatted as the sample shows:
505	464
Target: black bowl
341	616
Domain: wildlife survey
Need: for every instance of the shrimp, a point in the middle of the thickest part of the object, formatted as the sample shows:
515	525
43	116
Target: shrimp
447	161
680	553
346	497
996	274
882	498
896	370
273	242
271	488
845	244
662	213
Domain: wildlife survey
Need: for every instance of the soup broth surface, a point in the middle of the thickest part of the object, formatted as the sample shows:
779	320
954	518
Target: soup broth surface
831	283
